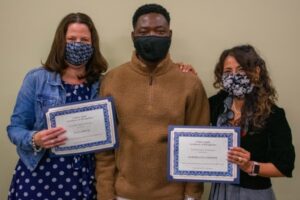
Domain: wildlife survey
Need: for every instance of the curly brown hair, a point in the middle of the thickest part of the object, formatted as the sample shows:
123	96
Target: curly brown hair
258	103
56	58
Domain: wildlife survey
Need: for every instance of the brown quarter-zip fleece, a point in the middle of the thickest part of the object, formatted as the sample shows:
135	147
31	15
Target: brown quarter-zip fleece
146	103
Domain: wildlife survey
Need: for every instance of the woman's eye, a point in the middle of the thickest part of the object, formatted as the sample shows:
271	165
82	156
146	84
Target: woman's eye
84	40
241	71
225	73
70	39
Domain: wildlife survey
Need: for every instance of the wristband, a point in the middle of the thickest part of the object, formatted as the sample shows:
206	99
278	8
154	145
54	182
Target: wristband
34	146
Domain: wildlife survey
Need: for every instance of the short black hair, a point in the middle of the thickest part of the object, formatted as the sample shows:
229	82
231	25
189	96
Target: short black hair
150	8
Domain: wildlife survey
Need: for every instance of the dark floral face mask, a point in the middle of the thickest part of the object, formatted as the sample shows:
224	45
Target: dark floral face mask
237	84
78	53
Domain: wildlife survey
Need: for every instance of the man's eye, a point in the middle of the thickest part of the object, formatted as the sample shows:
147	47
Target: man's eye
142	32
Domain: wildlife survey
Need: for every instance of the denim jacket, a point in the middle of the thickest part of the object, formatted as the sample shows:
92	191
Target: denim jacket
40	90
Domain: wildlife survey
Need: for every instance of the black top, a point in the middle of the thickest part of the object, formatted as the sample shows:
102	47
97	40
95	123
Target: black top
273	143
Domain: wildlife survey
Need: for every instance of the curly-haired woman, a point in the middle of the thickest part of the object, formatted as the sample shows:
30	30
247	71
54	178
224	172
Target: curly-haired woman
247	99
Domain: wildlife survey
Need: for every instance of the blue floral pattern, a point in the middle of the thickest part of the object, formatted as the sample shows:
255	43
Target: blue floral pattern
78	53
237	84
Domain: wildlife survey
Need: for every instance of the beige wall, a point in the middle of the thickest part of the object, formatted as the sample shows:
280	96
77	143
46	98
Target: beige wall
201	30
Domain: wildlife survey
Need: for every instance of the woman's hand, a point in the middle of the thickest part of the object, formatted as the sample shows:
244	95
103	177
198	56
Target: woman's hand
50	138
241	157
186	68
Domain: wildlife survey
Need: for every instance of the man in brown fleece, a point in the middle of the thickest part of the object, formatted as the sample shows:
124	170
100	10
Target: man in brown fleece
150	93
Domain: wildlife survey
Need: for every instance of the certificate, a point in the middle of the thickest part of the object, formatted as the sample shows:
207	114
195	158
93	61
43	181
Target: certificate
90	126
198	153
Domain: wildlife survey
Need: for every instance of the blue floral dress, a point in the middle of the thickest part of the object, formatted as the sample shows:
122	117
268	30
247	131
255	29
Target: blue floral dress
59	178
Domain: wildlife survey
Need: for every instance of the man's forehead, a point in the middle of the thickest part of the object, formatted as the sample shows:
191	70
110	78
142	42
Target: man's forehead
152	18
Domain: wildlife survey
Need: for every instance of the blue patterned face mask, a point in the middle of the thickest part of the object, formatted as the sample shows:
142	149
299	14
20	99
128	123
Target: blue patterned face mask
78	53
237	84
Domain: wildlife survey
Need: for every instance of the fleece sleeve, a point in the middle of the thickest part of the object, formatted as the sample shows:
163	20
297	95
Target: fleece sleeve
197	113
105	164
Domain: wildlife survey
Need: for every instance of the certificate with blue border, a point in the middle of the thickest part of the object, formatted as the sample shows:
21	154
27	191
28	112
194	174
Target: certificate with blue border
197	153
90	126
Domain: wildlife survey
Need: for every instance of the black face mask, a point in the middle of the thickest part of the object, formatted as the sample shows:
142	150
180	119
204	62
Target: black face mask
152	48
